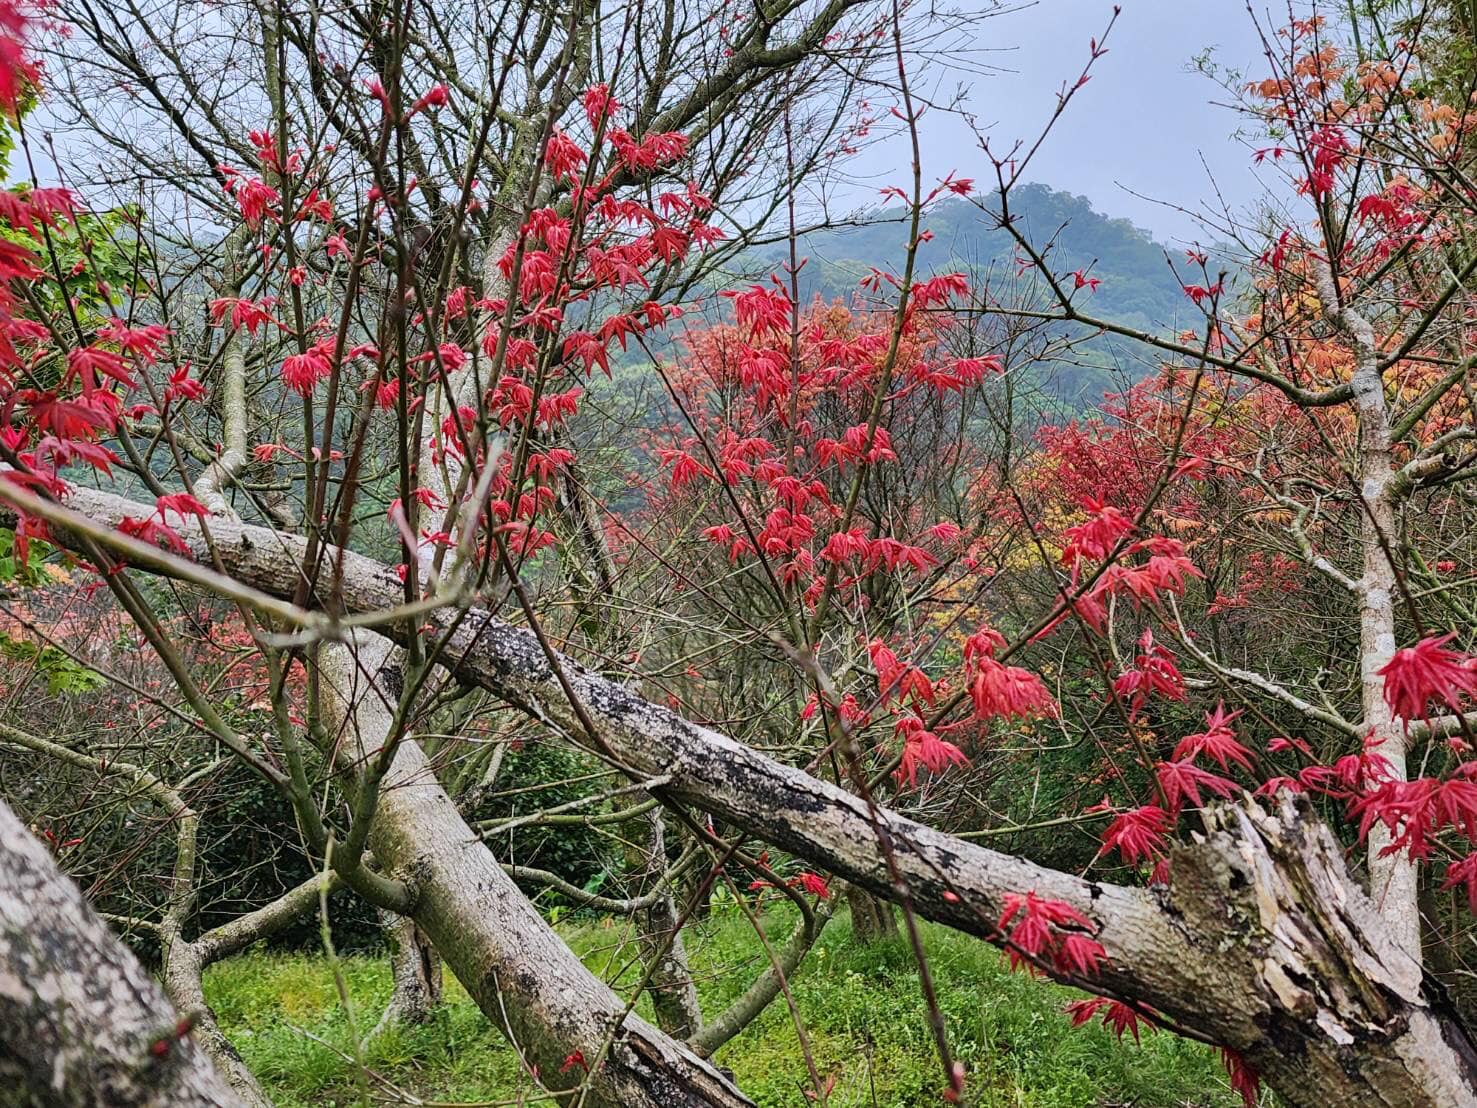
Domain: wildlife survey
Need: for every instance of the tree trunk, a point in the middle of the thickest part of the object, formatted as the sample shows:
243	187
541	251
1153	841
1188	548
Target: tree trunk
872	918
558	1015
415	969
673	993
81	1022
184	962
1393	879
183	984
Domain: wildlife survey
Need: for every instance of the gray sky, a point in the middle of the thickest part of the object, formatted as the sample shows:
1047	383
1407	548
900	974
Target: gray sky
1143	123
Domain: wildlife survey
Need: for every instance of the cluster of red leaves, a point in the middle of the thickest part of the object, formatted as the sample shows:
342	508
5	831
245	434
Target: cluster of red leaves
17	70
1051	932
773	400
1115	1015
58	404
1428	673
1414	812
58	407
1142	571
998	690
806	881
564	259
786	406
1138	835
924	749
1154	673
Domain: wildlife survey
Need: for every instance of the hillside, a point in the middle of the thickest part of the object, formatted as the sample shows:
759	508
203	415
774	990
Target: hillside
1138	287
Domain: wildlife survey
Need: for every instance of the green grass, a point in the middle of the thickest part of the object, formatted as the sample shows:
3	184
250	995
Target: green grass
861	1007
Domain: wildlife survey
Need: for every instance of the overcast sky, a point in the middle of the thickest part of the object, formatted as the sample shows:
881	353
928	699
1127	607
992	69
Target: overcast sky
1146	122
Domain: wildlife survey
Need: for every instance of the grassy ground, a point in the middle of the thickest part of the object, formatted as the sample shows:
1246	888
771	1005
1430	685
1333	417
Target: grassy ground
861	1009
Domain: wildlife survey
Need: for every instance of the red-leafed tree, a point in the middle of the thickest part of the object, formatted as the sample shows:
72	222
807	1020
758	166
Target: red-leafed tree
373	442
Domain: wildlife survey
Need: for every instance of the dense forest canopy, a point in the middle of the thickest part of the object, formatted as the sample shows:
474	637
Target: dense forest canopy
461	513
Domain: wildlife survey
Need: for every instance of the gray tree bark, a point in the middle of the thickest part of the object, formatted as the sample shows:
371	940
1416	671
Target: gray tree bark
1393	878
567	1025
415	969
872	917
81	1021
183	961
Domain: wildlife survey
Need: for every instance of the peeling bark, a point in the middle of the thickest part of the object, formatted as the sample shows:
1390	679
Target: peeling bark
81	1021
1333	1011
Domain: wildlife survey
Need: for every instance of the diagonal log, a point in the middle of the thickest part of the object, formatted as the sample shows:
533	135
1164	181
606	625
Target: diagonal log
1263	943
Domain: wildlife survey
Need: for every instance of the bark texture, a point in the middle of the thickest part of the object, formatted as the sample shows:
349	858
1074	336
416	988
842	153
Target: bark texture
183	961
81	1021
415	969
1393	878
1263	943
183	983
872	918
1330	1007
562	1019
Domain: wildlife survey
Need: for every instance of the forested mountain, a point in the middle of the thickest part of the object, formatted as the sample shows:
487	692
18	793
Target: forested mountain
1141	280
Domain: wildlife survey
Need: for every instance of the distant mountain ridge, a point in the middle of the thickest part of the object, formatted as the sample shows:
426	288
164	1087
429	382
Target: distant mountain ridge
1138	287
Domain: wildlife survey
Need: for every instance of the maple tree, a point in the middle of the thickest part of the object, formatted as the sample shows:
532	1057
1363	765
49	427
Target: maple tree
421	300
